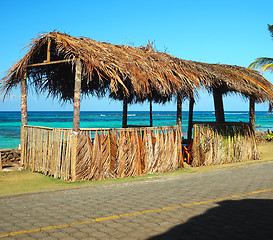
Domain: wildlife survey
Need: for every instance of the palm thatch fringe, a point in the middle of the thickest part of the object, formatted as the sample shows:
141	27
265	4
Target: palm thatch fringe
84	156
101	154
223	143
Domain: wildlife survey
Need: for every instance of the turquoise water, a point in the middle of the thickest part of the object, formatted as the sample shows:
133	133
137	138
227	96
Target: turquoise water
10	121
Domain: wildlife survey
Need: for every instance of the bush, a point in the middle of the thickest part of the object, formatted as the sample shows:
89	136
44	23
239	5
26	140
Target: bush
269	136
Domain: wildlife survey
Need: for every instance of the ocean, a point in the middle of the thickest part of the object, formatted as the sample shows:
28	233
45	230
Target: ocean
10	121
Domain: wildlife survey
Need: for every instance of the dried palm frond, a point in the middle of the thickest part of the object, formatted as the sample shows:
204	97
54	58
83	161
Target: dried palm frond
134	73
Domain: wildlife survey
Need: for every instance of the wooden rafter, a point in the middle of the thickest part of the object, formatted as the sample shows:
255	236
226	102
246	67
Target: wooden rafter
49	63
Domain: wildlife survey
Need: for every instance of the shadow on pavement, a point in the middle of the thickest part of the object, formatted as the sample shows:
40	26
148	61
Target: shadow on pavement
233	219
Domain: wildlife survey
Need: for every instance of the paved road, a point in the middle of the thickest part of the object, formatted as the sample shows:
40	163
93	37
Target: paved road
231	203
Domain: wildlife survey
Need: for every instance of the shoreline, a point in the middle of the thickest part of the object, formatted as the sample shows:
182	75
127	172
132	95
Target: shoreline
10	121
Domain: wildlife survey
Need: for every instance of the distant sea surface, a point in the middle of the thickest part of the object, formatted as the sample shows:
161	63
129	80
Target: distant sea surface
10	121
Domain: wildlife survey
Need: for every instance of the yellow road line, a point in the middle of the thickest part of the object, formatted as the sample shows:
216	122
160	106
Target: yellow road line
132	214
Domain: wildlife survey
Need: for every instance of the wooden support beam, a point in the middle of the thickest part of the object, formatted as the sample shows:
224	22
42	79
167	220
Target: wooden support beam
151	113
179	110
0	162
124	113
252	112
24	100
190	123
73	143
48	50
23	115
77	96
218	106
49	63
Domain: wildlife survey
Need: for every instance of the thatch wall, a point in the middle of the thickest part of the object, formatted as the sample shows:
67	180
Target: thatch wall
47	150
96	154
215	143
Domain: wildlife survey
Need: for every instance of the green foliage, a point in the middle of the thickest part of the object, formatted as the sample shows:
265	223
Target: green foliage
269	136
262	63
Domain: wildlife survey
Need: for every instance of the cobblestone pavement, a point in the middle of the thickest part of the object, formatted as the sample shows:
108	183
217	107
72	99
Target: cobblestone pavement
230	203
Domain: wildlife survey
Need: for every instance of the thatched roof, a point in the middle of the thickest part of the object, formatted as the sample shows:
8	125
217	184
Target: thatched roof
137	73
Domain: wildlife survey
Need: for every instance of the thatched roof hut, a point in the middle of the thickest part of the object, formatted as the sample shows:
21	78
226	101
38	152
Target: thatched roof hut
66	67
122	71
137	73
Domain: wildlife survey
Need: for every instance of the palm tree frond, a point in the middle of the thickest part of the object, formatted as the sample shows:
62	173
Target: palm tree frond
259	63
267	67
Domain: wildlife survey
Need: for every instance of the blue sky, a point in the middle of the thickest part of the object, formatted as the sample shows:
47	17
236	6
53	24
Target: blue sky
229	32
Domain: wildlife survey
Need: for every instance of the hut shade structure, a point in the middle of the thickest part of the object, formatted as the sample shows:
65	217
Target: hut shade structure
68	68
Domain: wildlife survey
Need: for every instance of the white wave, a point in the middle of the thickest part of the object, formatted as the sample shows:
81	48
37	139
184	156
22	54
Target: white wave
131	115
237	113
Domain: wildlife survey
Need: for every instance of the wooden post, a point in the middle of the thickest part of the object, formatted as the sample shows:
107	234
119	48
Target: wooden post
190	120
252	112
74	142
151	113
124	116
218	106
179	110
23	116
77	97
48	50
0	162
24	100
